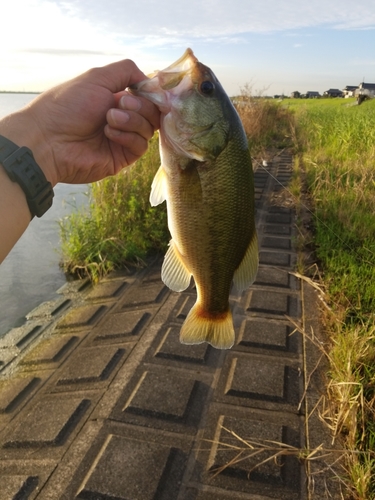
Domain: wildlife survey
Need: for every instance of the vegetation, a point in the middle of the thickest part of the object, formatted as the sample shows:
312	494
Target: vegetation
336	140
267	124
119	227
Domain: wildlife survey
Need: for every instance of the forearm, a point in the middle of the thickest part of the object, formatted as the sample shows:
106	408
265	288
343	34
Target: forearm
14	213
14	210
22	129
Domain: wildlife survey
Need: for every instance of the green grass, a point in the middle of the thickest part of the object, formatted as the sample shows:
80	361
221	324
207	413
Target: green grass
119	227
336	141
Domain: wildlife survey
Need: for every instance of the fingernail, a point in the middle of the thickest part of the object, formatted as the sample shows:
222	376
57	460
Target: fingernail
129	102
114	132
119	117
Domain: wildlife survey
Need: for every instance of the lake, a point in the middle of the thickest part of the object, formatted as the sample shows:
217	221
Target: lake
31	274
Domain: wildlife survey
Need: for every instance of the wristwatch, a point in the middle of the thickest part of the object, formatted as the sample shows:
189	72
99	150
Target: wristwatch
21	167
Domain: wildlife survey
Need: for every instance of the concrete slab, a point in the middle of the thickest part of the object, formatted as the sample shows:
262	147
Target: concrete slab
99	400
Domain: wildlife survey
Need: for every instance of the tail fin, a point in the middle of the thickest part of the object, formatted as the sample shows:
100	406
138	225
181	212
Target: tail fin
217	331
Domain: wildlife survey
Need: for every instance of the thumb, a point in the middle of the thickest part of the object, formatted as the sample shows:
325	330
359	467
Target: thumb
116	76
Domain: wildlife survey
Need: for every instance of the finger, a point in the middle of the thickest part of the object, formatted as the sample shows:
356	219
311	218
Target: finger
133	144
143	106
130	121
116	76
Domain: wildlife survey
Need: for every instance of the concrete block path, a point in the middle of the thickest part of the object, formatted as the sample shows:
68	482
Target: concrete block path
100	401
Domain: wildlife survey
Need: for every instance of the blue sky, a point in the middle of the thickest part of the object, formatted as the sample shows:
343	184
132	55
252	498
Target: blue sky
274	46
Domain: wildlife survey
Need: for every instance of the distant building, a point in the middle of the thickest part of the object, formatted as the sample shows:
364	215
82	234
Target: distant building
349	90
295	94
312	94
367	89
333	93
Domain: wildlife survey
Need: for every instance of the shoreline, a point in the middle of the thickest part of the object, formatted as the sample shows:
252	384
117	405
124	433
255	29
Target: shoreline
19	92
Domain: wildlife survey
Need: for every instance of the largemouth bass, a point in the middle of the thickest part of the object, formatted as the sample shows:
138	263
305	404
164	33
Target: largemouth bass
206	178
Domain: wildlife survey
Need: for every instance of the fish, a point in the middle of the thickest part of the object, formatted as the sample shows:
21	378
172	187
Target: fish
206	179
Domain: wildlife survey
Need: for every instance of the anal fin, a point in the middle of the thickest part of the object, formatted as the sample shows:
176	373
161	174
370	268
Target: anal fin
174	273
246	272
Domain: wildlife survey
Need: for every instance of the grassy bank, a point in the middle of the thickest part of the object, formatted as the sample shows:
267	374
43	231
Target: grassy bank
337	144
119	227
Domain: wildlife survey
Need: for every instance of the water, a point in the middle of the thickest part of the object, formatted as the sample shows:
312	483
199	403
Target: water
31	274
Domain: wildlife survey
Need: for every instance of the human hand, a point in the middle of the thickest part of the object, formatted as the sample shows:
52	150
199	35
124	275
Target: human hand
89	127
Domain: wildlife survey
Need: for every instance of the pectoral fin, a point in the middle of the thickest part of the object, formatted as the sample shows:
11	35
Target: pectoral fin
174	273
246	272
158	188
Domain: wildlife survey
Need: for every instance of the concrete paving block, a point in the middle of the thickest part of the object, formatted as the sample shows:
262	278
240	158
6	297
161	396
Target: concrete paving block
248	461
133	470
273	277
282	259
162	395
212	493
108	290
7	355
281	229
276	243
244	448
22	336
154	293
42	427
124	325
15	391
18	487
51	350
274	303
183	306
277	218
171	348
48	309
90	365
264	379
84	316
153	274
269	334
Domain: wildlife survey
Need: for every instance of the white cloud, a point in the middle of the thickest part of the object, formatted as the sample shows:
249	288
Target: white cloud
57	39
199	18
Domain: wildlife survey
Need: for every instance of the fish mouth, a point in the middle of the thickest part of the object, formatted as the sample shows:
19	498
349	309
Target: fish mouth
170	77
158	85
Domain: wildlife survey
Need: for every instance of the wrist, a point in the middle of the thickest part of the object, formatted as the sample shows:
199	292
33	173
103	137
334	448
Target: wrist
21	168
23	130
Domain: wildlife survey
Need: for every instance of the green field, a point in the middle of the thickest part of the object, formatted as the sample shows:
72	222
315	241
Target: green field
336	144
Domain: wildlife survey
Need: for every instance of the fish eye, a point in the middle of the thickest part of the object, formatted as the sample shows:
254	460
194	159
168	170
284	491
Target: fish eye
207	87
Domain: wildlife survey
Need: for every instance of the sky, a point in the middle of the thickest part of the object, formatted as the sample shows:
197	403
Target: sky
270	46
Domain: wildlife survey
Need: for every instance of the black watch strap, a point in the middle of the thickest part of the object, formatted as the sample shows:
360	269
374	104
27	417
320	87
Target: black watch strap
21	167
